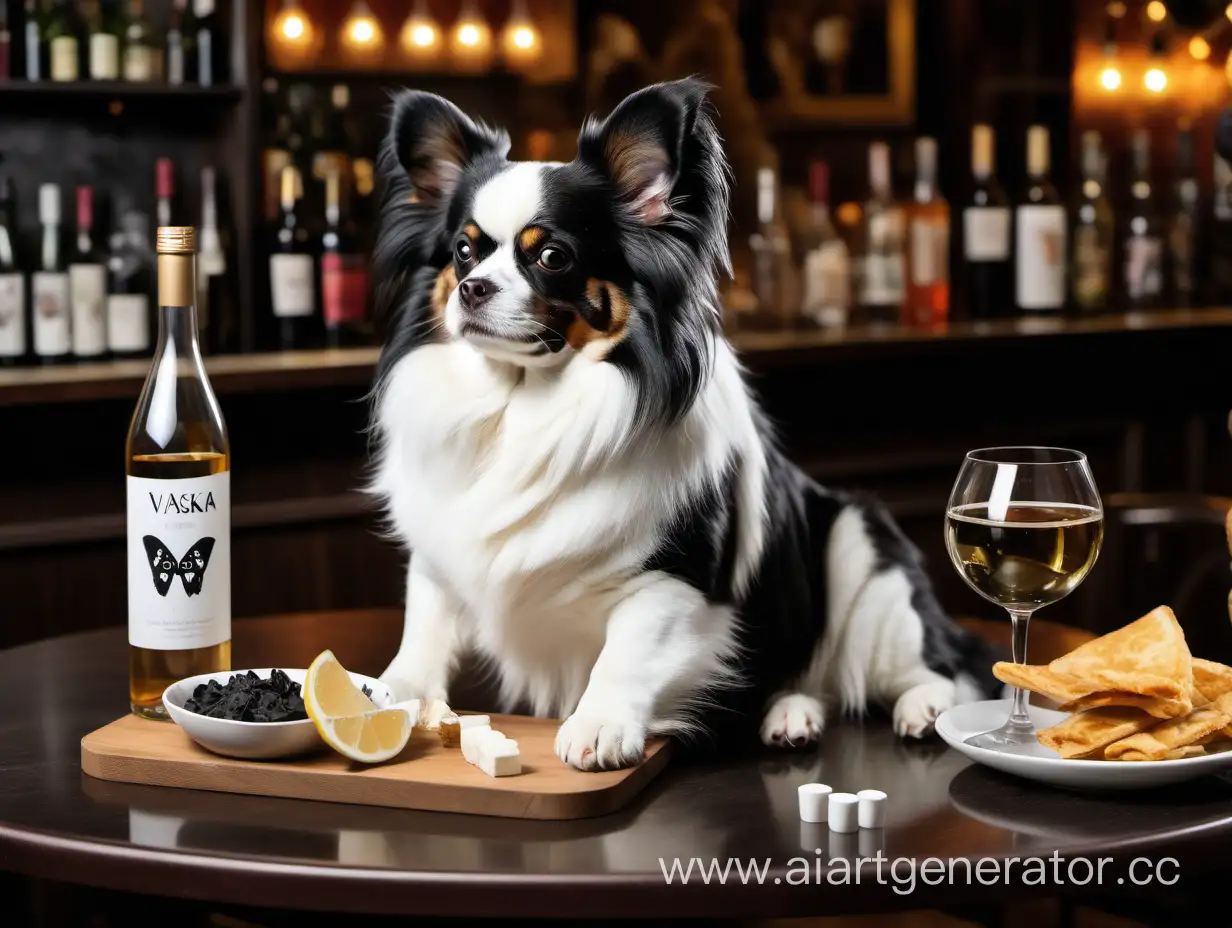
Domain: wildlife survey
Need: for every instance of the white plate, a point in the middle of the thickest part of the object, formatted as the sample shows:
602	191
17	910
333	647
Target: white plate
1036	762
253	740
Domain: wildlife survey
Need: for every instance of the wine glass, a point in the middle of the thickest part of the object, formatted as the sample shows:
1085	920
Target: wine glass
1023	527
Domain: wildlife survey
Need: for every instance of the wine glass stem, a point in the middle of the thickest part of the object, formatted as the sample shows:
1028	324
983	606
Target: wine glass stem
1020	619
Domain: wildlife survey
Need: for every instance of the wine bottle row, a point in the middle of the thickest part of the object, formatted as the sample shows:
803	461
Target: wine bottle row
110	40
78	293
887	260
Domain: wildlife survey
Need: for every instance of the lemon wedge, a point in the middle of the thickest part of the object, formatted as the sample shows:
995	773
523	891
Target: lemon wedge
347	720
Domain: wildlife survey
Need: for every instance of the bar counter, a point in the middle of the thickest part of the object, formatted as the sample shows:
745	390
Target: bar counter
887	410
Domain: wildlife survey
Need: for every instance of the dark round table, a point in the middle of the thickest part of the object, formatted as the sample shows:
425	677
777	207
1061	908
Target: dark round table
57	823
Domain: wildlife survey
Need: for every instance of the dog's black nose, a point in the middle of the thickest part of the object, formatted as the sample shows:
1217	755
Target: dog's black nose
475	291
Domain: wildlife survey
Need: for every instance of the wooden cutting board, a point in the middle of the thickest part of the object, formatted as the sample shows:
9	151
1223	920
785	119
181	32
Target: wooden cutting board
425	776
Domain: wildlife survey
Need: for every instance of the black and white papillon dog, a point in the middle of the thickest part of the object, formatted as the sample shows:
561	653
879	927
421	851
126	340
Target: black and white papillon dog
591	498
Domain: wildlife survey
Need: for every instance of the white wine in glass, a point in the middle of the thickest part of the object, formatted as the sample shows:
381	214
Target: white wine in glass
1023	528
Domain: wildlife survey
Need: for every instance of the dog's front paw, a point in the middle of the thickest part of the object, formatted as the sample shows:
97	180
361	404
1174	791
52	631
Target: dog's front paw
915	713
793	721
596	742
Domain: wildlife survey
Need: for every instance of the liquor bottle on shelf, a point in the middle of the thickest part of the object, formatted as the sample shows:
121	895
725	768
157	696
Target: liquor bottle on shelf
986	233
881	264
772	273
63	32
176	50
1040	233
6	45
131	277
292	284
211	266
139	57
106	24
1094	230
344	273
1186	226
336	146
179	501
1144	251
209	41
33	48
13	316
927	301
1219	242
87	282
53	339
164	190
827	262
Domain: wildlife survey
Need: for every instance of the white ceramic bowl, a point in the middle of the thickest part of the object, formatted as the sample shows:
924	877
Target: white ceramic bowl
253	740
1036	762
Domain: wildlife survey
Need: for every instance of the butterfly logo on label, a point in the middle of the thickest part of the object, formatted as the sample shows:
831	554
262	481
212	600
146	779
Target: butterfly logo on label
165	566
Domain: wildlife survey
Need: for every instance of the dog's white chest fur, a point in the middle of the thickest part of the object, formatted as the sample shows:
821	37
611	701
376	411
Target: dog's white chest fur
524	496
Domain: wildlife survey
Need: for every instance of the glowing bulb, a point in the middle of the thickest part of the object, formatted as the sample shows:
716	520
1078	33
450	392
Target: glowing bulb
1110	79
523	37
1199	48
1228	11
520	39
1156	12
293	27
421	37
362	32
1155	80
470	40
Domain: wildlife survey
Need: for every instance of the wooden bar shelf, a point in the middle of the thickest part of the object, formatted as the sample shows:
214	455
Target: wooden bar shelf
353	367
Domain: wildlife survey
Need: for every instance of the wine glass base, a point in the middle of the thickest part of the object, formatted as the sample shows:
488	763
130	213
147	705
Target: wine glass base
1007	736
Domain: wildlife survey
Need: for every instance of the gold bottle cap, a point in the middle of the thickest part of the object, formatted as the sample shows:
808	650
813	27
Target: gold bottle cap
176	240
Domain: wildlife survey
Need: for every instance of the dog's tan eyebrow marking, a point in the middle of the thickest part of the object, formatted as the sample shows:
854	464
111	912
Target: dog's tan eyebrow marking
472	231
530	237
608	323
446	281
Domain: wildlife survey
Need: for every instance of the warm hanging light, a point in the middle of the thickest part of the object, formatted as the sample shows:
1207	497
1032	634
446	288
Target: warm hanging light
291	28
1228	11
470	40
1199	48
521	43
1156	12
1110	75
361	31
1110	78
421	36
1155	80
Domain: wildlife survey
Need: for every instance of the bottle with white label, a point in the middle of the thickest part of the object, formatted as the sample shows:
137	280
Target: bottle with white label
64	31
1040	234
1094	231
927	301
986	233
104	47
881	276
1144	246
292	271
87	284
179	500
138	63
130	267
13	322
49	290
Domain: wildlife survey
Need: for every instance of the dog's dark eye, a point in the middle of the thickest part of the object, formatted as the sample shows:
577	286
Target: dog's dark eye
553	259
463	249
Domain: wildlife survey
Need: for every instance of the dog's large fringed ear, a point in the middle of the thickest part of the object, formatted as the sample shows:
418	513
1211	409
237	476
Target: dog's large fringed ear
645	145
434	141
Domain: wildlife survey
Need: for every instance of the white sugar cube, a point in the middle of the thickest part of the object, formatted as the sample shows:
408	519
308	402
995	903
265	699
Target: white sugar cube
499	757
474	721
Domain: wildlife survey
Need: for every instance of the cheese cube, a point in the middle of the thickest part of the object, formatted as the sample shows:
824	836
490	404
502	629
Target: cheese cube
471	733
499	757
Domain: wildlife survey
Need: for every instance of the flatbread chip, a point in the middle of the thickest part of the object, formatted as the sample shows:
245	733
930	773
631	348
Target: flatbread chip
1211	680
1039	678
1148	657
1157	706
1189	750
1091	731
1175	733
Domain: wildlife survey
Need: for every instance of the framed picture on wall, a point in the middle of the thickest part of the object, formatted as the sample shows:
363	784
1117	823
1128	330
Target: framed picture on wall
831	62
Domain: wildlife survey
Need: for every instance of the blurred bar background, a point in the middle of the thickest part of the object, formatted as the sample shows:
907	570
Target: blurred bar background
955	223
